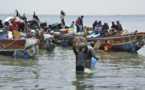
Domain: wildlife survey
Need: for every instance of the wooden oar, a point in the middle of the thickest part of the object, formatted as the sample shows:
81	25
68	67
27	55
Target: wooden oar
97	44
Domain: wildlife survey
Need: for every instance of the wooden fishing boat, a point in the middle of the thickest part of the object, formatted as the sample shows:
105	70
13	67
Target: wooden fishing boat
127	42
19	48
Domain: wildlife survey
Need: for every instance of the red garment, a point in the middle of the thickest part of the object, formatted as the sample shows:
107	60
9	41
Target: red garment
13	26
78	22
108	45
18	22
42	31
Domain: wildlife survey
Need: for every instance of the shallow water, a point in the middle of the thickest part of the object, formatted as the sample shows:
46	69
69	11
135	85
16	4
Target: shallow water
56	70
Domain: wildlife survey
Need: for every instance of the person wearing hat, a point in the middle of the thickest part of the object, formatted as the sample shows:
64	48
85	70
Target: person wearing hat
89	54
119	27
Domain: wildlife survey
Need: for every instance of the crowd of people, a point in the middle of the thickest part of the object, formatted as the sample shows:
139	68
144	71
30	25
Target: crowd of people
21	24
85	54
13	25
104	29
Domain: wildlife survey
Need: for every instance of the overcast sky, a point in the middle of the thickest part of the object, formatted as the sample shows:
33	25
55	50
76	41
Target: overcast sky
74	7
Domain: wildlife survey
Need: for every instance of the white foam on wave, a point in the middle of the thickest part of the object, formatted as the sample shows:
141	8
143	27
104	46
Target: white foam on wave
88	70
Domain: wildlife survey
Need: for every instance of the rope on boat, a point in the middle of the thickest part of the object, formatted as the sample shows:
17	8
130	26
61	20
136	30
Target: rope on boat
130	41
9	44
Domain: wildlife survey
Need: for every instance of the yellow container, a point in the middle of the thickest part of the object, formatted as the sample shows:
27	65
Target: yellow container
106	48
70	30
16	34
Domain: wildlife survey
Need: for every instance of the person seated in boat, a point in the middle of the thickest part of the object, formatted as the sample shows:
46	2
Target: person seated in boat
119	27
112	30
35	17
72	25
104	29
1	25
100	24
13	26
98	29
107	46
86	32
80	58
95	24
113	25
89	54
6	26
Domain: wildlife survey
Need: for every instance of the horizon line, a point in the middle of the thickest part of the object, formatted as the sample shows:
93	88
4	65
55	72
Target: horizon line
85	14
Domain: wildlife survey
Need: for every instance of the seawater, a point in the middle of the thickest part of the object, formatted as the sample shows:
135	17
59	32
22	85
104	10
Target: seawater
56	70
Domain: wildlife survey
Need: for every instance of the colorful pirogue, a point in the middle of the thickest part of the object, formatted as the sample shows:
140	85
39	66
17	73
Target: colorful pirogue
19	48
23	45
127	42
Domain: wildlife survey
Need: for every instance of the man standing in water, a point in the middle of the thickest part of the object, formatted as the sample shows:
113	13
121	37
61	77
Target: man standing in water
89	54
107	46
80	57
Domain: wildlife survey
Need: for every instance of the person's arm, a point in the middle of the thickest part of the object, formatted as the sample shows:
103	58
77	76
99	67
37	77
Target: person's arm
93	54
109	45
103	44
74	49
121	27
86	49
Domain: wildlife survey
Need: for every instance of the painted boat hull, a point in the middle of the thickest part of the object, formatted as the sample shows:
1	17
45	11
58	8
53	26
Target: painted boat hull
129	43
19	48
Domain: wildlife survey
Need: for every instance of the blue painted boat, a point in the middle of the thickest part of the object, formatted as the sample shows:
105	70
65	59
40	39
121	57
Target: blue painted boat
127	42
19	48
